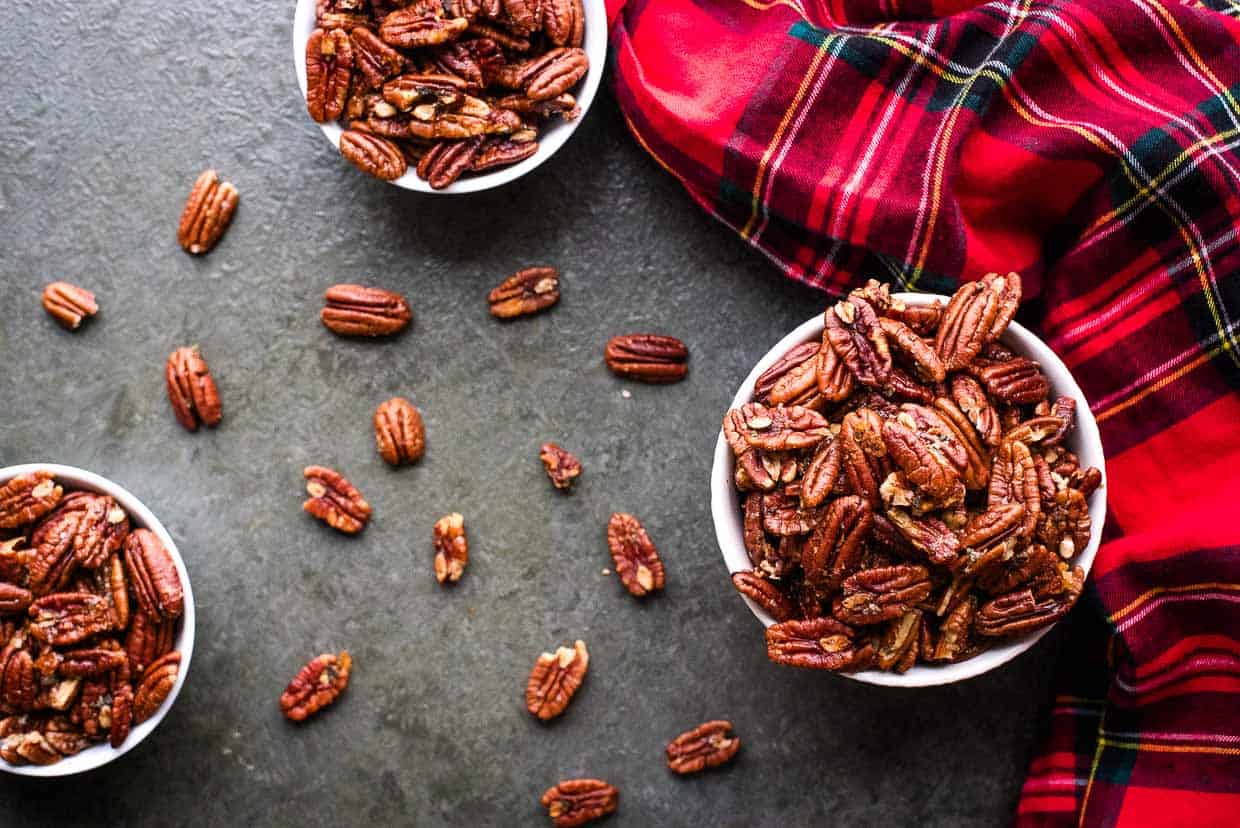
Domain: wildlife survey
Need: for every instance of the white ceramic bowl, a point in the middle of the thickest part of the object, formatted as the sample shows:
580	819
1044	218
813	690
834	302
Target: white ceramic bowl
550	138
1084	441
139	516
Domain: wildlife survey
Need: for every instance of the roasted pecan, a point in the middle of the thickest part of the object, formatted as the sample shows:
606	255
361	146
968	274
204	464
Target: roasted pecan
706	746
421	24
953	641
562	466
861	451
148	640
921	355
18	686
1063	410
1018	381
967	324
27	498
989	538
191	389
834	549
835	381
90	661
334	500
636	559
972	400
445	162
872	596
14	562
14	599
765	594
316	685
554	679
113	583
374	60
852	329
524	292
33	748
451	548
761	553
1020	612
782	515
575	802
506	38
342	14
329	67
355	310
817	643
822	474
563	21
920	452
1086	481
524	16
1008	290
122	715
69	617
399	432
784	428
157	682
69	304
793	362
647	357
504	150
923	319
207	212
899	648
554	73
475	61
430	95
1036	568
54	560
1014	479
930	536
1065	524
372	154
153	575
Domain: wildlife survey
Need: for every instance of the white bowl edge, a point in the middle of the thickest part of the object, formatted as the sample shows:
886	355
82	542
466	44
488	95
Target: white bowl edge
140	516
1085	441
550	139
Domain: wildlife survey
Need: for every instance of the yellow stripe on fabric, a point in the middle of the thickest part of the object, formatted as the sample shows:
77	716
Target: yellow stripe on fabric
1093	769
1150	593
789	113
1145	746
1110	412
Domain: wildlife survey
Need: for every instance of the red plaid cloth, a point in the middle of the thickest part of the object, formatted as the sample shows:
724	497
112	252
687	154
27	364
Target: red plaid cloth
1095	148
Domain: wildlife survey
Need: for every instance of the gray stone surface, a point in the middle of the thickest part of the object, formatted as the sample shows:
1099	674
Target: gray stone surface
108	112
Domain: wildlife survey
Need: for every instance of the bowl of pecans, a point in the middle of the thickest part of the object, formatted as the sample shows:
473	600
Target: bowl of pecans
908	487
449	96
96	616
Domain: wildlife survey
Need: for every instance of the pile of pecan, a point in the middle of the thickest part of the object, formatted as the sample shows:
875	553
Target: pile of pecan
450	86
907	496
88	618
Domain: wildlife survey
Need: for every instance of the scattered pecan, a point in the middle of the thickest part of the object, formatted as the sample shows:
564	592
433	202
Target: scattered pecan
329	67
650	358
399	432
156	683
191	389
636	559
526	291
153	576
555	679
562	466
451	548
26	498
355	310
207	212
69	304
334	500
706	746
818	643
576	802
316	685
373	154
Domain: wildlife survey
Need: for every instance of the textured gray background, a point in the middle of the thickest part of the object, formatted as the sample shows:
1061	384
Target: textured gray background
107	113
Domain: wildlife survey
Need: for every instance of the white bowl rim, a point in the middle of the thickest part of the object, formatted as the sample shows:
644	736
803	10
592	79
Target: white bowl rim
1085	438
140	516
552	137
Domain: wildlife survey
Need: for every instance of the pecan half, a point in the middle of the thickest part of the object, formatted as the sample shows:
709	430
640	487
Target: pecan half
930	536
421	24
636	559
334	500
761	552
122	715
445	162
1065	524
915	451
524	292
555	679
207	213
819	644
316	685
69	304
14	599
899	647
502	151
650	358
784	428
374	60
822	474
967	324
1018	381
148	640
18	686
792	362
834	549
153	575
1020	612
851	328
563	21
342	14
1014	479
921	355
953	642
27	498
90	661
562	466
399	433
69	617
554	73
157	682
782	515
835	380
506	38
576	802
872	596
191	389
972	400
373	154
706	746
115	585
329	68
451	548
765	594
355	310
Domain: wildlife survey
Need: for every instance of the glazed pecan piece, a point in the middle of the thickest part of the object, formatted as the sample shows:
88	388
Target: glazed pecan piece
989	539
122	715
69	304
426	96
650	358
899	647
1020	612
502	151
355	310
1018	381
555	679
921	355
782	515
475	61
334	500
373	154
421	24
930	536
576	802
563	21
316	685
761	552
153	576
819	644
562	466
954	633
27	498
708	745
636	560
1066	523
399	433
822	474
447	161
375	60
834	549
18	684
789	373
329	67
972	400
852	329
920	455
765	594
1014	479
90	661
835	380
506	38
148	640
872	596
157	682
32	748
784	428
923	319
554	73
967	324
525	292
207	213
451	548
69	617
192	390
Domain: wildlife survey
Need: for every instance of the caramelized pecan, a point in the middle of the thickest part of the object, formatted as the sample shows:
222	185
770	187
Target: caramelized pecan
501	151
157	682
373	154
421	24
834	549
329	67
1018	381
899	648
191	389
334	500
967	324
765	594
921	355
872	596
791	362
835	380
69	304
562	466
576	802
69	617
14	599
554	73
374	60
18	686
563	21
817	643
555	679
851	328
315	686
777	429
822	474
953	641
451	548
972	400
153	575
26	498
355	310
342	14
399	433
636	559
445	162
650	358
525	292
706	746
207	213
148	640
930	536
122	715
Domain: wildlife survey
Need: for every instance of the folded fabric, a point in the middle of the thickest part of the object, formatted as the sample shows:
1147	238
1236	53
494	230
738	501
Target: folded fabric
1095	148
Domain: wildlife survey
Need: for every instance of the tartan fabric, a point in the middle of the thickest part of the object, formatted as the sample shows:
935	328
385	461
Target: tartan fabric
1095	148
